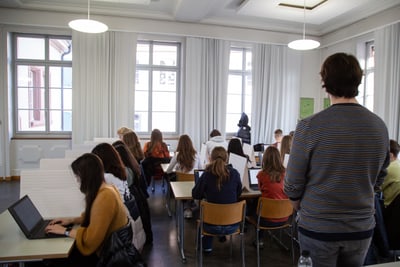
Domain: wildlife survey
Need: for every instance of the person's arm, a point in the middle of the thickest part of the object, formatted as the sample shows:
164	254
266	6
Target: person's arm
198	191
172	164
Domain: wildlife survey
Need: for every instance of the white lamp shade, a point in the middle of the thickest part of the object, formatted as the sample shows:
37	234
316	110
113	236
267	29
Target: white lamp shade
303	44
88	26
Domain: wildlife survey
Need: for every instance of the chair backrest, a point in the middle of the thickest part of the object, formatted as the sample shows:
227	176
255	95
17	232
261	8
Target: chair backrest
274	208
184	177
222	214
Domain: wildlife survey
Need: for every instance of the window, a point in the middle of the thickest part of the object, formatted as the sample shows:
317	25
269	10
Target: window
239	87
42	84
366	89
157	86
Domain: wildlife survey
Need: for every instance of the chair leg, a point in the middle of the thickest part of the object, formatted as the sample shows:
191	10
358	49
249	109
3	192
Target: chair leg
258	246
242	249
201	250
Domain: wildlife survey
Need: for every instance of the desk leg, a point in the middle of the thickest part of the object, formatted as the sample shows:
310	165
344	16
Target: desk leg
181	228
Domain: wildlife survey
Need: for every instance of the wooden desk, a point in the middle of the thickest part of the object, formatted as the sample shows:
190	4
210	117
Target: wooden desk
15	247
183	191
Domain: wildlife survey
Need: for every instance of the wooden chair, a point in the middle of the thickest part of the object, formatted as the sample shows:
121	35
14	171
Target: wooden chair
222	214
272	209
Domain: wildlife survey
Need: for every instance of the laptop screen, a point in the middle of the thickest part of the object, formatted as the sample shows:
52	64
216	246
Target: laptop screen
253	181
197	175
25	213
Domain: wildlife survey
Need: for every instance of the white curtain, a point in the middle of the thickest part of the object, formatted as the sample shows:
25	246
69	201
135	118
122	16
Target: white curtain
276	87
103	84
387	77
205	88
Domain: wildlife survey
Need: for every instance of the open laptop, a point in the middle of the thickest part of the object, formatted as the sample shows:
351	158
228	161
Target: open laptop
30	220
197	175
253	181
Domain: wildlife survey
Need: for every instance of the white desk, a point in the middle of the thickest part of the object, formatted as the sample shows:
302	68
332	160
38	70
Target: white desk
15	247
183	191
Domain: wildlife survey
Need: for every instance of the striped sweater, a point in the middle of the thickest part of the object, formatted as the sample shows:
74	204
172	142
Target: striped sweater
338	155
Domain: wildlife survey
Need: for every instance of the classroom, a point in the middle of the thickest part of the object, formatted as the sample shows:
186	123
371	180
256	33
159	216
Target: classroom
184	67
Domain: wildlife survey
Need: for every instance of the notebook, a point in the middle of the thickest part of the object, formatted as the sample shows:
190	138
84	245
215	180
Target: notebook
240	164
253	181
29	219
197	175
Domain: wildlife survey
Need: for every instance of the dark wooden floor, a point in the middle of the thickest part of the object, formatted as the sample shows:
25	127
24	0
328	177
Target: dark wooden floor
165	252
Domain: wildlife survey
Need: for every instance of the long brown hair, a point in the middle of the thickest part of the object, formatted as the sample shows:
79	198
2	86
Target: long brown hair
218	167
132	141
186	153
272	164
89	168
286	144
126	156
155	139
111	160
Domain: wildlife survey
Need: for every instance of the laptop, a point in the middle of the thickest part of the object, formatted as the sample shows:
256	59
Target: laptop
197	175
253	181
30	220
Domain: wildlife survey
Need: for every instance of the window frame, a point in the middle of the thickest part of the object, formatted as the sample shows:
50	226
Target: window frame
244	72
367	46
151	68
46	63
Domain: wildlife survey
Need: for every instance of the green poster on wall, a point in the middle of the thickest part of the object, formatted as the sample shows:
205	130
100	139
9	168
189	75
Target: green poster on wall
306	107
327	102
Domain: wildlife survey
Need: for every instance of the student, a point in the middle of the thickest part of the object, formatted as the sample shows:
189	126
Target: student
104	213
286	144
270	183
219	183
216	140
114	168
123	130
337	158
278	135
185	160
391	194
235	147
133	144
131	165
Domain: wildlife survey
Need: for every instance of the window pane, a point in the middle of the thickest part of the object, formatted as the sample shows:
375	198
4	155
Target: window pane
60	77
235	104
60	49
248	60
236	60
31	120
32	76
232	120
142	80
67	98
31	98
234	84
142	54
141	122
165	55
164	121
164	81
141	101
164	101
30	48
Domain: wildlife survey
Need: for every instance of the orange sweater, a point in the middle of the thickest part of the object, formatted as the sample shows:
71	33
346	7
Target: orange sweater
160	150
108	214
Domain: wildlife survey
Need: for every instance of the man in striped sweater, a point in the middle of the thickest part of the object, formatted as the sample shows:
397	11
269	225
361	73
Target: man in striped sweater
337	158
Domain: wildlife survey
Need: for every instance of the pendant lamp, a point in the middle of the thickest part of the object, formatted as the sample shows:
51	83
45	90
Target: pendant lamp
304	44
88	25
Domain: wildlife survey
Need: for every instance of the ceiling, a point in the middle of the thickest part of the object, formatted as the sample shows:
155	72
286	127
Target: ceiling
325	17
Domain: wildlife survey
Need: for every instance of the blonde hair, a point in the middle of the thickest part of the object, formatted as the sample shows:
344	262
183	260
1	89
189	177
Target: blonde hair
123	130
218	166
132	142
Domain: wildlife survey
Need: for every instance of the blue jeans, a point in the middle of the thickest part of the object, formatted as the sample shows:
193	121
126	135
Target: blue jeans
266	223
217	230
335	253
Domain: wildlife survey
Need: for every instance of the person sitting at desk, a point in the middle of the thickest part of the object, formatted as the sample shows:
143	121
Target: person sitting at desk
270	182
219	183
104	213
185	160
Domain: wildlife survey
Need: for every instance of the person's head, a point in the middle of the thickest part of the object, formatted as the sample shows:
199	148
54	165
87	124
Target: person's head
272	164
286	144
235	147
89	171
217	165
126	156
123	130
278	133
133	144
156	136
186	153
394	149
111	160
341	75
214	133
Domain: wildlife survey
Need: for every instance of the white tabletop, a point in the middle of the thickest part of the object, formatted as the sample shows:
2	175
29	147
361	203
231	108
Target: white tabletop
16	247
